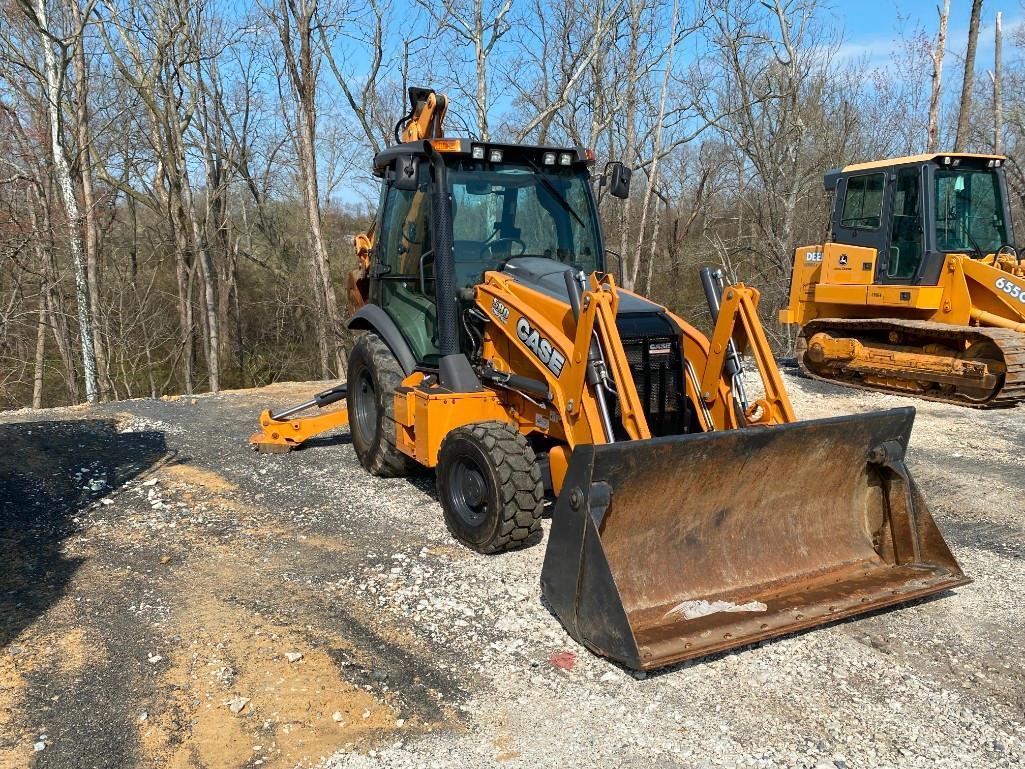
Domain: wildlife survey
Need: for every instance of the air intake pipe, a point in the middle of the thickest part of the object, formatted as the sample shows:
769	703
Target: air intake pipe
454	370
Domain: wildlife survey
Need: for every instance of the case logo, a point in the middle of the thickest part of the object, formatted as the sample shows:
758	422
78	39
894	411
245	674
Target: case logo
541	347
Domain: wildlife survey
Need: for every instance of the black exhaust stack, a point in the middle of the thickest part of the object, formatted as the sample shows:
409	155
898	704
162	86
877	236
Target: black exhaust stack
454	370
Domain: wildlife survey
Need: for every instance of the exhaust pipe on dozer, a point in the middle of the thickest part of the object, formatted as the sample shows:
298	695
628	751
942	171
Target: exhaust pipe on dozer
673	548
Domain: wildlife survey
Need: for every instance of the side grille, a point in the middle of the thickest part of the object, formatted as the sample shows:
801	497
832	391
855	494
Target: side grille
656	363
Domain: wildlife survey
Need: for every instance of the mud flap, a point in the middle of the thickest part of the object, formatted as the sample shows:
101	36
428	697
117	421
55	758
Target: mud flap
674	548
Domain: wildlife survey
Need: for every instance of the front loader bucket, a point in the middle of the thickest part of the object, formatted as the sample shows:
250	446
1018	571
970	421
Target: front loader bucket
673	548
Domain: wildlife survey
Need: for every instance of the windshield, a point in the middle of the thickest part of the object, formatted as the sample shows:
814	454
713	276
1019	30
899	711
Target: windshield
521	210
969	211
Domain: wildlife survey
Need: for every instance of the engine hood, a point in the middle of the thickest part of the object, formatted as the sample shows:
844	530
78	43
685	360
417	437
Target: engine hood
546	275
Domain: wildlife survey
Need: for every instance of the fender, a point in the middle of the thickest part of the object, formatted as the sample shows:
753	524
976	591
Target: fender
370	317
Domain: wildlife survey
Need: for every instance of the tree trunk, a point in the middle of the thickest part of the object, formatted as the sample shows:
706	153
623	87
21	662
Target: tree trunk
54	76
964	117
630	267
85	173
39	217
318	245
181	271
482	73
37	380
302	71
932	132
998	104
209	277
656	158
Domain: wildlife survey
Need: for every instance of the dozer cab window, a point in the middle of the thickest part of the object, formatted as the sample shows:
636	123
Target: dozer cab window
969	211
405	237
511	210
906	234
863	203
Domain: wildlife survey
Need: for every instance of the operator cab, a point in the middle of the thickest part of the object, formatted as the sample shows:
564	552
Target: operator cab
914	211
511	205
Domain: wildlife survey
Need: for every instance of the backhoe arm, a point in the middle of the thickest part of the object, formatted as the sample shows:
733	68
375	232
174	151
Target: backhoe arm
426	115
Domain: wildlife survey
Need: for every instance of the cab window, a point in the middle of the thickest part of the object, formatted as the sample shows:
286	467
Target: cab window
969	211
863	203
405	230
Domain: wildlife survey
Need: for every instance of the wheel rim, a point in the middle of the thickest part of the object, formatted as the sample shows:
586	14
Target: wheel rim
365	406
469	491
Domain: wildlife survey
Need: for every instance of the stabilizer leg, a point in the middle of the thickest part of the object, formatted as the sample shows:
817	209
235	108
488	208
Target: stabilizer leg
280	434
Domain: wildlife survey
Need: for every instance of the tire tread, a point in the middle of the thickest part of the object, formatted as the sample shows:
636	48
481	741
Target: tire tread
520	493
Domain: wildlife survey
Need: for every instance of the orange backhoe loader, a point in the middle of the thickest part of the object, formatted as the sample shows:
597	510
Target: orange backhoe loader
496	348
918	289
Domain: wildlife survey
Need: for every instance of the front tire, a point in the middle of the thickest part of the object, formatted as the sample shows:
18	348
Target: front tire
489	485
372	378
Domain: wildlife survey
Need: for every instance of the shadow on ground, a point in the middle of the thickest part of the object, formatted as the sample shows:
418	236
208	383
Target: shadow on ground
49	471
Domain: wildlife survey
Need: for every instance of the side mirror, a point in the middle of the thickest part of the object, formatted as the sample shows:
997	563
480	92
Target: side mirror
619	181
406	168
619	265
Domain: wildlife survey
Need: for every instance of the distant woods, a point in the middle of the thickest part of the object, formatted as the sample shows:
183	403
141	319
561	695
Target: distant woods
181	181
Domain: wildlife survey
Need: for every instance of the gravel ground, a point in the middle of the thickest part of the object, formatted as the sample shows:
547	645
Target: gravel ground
170	598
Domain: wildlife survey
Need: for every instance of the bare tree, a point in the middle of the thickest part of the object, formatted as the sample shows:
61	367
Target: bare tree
652	171
555	56
939	48
997	77
480	25
365	102
84	169
55	68
294	22
964	115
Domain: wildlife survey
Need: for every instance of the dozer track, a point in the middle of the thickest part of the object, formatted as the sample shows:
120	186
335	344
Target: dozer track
1009	391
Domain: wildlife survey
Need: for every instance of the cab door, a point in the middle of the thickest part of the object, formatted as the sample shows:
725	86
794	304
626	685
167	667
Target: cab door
402	273
901	263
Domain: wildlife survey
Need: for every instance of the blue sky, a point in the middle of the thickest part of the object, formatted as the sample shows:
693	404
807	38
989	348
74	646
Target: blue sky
874	26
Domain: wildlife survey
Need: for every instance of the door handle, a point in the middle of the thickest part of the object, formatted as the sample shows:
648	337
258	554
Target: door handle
420	270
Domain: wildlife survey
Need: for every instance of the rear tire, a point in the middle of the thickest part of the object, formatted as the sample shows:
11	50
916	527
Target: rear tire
373	376
489	485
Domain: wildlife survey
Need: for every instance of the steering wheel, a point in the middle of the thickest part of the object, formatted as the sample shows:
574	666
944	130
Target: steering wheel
1009	249
490	245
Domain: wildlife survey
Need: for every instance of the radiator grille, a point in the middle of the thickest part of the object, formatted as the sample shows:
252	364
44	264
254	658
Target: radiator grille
656	364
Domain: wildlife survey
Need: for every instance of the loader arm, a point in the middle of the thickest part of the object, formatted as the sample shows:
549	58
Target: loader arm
738	321
598	316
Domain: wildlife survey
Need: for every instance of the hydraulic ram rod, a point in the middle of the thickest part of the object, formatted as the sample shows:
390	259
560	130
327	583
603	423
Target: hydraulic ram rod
711	282
321	399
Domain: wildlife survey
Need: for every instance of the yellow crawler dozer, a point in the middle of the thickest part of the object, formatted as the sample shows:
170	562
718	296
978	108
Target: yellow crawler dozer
918	289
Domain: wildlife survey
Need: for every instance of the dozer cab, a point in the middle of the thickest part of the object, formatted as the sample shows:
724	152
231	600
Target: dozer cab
496	347
918	289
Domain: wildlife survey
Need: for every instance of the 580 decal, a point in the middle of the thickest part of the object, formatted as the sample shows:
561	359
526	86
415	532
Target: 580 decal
1012	289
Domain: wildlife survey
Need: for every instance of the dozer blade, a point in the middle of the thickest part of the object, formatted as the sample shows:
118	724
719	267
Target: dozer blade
674	548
